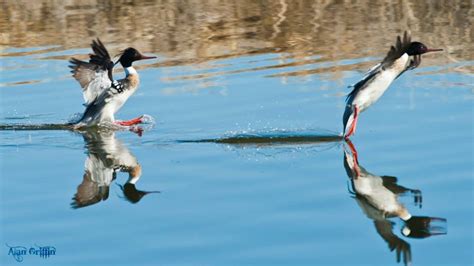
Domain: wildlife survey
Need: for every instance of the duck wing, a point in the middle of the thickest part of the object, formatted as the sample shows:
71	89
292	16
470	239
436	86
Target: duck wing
94	76
397	50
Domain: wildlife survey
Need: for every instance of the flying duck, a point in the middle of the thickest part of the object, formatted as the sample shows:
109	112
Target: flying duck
405	55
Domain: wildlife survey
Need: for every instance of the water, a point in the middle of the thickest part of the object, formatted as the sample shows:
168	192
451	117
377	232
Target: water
248	99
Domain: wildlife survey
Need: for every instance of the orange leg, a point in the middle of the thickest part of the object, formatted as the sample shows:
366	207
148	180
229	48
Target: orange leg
354	123
131	122
355	157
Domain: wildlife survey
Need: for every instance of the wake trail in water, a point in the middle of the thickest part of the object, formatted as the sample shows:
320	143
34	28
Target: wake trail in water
37	127
273	138
147	120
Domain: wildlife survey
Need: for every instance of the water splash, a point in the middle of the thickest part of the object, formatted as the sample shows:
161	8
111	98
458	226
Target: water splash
148	119
74	118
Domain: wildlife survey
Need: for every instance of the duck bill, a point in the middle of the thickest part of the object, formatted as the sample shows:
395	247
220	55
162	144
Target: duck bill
433	50
143	57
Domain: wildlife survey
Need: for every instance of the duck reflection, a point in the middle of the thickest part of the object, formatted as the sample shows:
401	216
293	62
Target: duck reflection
106	156
378	197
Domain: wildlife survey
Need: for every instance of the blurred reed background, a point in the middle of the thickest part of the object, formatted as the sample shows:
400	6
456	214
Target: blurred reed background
194	31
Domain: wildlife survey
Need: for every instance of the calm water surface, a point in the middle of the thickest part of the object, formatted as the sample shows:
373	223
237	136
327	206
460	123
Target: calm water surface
243	94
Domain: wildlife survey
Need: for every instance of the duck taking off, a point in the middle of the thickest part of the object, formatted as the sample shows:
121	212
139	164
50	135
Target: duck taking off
405	55
103	95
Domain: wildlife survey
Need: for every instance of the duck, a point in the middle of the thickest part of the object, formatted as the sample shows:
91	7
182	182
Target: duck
404	55
104	96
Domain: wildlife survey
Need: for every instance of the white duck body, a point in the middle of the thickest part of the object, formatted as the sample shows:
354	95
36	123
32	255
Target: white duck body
374	84
103	108
377	87
118	98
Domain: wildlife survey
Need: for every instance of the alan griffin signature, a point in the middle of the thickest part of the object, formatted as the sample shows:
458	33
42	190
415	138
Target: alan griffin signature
17	252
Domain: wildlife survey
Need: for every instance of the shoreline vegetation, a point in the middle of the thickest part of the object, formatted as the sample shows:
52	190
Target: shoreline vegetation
189	32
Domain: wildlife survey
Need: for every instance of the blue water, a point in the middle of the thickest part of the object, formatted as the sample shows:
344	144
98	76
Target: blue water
245	203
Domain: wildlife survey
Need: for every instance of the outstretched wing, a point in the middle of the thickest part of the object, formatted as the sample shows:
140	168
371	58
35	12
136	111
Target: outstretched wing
96	75
397	50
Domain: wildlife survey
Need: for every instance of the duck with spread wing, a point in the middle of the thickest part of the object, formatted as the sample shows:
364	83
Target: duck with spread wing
103	95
